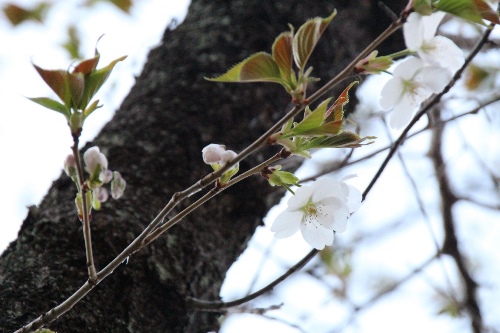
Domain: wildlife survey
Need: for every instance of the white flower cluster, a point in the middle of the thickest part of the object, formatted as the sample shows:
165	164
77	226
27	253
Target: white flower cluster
317	210
416	79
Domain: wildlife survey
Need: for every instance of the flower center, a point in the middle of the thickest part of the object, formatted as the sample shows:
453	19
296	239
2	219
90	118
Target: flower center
312	211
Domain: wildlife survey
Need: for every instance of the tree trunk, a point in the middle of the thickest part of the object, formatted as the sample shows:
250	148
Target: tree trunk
155	141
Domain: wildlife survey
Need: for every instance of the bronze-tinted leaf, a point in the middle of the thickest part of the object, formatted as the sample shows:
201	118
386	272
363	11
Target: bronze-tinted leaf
307	37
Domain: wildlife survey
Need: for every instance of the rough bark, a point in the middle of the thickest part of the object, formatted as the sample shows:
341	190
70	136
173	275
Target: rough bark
155	140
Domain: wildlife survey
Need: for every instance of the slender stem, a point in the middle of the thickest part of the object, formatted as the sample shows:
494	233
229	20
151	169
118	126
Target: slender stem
209	195
217	306
85	212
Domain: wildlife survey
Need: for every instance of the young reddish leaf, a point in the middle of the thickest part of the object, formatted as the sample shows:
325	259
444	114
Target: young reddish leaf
336	111
307	37
283	54
52	105
259	67
57	80
76	83
87	66
486	12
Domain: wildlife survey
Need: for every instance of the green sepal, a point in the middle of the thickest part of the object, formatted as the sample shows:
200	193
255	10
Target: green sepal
307	37
76	122
259	67
472	10
282	178
52	105
94	181
226	176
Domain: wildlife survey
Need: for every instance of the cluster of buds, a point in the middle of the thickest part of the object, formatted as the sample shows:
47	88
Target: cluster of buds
96	165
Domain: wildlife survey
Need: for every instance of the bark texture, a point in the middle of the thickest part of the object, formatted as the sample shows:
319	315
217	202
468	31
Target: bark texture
155	140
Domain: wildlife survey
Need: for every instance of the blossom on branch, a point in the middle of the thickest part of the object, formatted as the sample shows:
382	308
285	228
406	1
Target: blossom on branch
419	34
412	83
318	210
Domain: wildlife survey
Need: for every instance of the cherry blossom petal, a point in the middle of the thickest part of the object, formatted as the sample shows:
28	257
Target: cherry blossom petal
413	31
401	114
443	52
434	79
326	187
329	210
431	23
391	93
316	235
301	198
286	224
407	68
353	199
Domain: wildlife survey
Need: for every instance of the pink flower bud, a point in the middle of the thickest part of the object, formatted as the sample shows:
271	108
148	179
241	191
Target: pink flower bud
213	153
70	165
117	185
92	158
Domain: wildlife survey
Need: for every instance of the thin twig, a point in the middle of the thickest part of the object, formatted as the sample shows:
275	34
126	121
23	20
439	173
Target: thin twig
215	306
87	235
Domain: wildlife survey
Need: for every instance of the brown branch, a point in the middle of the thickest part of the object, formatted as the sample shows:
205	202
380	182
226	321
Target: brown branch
450	243
215	306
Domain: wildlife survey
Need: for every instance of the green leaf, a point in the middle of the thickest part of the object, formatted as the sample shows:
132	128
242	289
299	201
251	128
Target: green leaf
52	105
283	54
72	45
345	139
95	80
124	5
311	122
91	108
259	67
17	14
336	111
307	37
472	10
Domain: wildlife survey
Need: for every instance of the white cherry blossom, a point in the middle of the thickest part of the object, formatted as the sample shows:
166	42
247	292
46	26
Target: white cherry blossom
419	34
318	210
412	83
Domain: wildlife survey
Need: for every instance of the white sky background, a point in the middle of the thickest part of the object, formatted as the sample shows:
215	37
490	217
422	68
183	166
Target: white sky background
26	130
